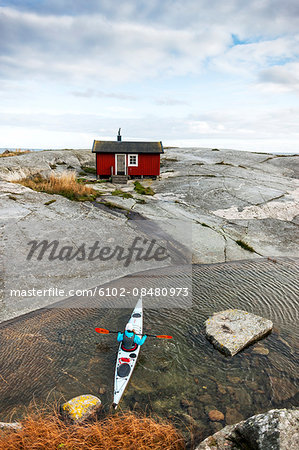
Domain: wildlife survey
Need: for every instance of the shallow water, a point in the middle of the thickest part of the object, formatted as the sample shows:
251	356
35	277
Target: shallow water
56	353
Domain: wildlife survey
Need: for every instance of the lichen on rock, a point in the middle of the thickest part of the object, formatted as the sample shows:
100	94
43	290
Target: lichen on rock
81	408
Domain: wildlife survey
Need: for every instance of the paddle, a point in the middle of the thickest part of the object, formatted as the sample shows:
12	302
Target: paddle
104	331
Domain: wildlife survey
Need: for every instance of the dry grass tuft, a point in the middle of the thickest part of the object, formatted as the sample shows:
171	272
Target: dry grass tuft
17	152
119	431
65	184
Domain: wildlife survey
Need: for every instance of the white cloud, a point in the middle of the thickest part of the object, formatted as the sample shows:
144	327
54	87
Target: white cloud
280	78
68	66
92	46
249	58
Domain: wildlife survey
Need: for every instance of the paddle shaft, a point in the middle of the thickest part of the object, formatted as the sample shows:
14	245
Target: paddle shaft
102	330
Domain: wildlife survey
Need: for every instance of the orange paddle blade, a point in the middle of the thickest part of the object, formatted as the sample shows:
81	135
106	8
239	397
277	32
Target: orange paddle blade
162	336
102	330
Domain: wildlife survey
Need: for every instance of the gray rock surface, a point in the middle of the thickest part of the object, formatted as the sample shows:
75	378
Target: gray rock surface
232	330
220	199
277	429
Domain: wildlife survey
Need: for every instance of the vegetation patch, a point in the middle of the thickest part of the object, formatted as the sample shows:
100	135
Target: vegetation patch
87	169
12	197
141	201
65	184
17	152
245	246
82	180
121	193
215	150
50	202
53	166
118	431
140	189
86	181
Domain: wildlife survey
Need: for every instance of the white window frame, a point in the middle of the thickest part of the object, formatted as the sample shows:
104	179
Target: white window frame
129	162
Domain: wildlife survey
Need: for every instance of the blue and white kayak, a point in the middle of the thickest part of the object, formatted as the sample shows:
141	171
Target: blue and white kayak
126	360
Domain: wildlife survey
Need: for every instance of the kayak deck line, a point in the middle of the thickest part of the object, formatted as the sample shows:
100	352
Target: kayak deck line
126	360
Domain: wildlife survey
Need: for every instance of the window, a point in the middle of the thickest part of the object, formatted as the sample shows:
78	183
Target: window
133	160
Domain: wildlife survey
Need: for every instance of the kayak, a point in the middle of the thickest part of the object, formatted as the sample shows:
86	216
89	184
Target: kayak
126	360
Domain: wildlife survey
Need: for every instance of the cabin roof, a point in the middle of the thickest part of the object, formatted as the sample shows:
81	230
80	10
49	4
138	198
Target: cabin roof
127	147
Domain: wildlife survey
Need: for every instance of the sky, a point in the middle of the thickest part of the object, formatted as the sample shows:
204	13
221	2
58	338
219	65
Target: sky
204	73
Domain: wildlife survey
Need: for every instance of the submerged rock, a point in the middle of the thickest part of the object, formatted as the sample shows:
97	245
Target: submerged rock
81	408
277	429
216	415
232	330
259	350
282	389
233	416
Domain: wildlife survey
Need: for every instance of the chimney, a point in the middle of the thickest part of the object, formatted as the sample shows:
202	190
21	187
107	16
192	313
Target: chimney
119	136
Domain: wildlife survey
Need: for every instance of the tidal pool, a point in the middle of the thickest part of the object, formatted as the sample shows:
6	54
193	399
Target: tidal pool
55	353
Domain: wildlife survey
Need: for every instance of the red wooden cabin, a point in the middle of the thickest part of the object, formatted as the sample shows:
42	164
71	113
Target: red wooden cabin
127	159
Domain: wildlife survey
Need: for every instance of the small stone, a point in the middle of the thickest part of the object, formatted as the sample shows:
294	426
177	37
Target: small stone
216	415
102	390
205	398
261	351
221	389
231	390
233	416
81	408
253	385
234	380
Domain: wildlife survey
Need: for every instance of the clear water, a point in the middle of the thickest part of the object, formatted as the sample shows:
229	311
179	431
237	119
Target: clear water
56	353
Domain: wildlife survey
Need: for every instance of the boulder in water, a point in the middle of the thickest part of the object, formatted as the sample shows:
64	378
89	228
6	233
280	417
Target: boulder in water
276	429
232	330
